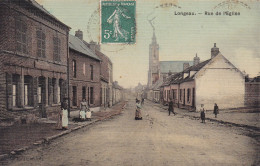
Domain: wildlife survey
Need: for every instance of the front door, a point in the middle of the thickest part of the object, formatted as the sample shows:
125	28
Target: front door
193	97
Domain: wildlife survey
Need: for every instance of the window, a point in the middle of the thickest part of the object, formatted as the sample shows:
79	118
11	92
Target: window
28	100
83	92
188	95
91	95
58	94
74	68
74	96
57	48
54	99
91	72
40	43
39	94
84	68
21	38
14	97
15	90
180	94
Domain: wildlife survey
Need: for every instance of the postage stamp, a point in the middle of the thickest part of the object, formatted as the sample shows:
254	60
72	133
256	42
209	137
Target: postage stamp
118	23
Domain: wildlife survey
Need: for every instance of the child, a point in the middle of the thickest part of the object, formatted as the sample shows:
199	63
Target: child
202	114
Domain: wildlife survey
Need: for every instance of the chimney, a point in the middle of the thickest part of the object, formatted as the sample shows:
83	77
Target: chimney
196	60
185	65
164	78
170	73
79	34
94	46
214	51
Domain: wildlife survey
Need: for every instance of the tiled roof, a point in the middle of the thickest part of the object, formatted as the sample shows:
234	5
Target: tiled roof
173	66
178	77
157	84
76	44
41	8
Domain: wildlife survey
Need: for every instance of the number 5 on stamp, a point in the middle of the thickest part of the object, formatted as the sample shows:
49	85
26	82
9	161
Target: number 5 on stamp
118	23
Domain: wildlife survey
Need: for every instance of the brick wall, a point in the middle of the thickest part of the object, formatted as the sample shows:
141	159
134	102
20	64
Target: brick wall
252	94
28	63
84	80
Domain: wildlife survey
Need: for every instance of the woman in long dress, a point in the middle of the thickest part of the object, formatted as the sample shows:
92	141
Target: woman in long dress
64	114
138	115
83	109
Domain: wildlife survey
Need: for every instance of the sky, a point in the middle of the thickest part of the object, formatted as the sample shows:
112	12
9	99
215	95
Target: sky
179	37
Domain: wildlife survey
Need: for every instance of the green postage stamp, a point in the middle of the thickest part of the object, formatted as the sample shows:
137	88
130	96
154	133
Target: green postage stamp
118	23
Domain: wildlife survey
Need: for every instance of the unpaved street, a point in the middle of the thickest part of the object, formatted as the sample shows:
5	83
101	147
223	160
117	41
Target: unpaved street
156	140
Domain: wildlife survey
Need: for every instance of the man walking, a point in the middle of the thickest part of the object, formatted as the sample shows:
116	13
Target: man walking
171	109
216	110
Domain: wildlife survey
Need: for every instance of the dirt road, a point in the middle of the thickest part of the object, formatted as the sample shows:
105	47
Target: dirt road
156	140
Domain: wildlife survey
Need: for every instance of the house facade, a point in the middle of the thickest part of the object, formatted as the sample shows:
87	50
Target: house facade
33	53
213	81
106	77
118	93
84	73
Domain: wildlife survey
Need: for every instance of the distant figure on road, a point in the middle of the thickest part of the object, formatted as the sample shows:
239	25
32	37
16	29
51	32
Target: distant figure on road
138	115
136	100
202	114
171	109
142	103
216	110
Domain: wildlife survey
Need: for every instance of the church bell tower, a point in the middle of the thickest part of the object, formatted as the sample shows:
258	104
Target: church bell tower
154	64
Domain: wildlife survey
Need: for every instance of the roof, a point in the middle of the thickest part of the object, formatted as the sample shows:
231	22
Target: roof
76	44
173	66
116	86
178	77
41	8
157	84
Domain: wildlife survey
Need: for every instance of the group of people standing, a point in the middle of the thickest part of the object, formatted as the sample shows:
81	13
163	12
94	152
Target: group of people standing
63	119
203	114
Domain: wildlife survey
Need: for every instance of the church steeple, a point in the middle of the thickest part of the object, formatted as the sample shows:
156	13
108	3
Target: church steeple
154	64
154	38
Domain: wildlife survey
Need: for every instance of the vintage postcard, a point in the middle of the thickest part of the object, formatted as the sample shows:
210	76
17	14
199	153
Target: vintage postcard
130	82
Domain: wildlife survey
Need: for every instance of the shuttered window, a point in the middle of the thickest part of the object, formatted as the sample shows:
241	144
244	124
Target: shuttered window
21	38
57	48
41	43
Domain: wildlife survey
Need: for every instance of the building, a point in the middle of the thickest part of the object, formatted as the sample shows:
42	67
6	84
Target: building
106	75
252	92
215	80
118	93
84	73
159	68
33	53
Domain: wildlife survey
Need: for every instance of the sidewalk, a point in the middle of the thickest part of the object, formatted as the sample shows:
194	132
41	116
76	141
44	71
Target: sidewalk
18	138
249	117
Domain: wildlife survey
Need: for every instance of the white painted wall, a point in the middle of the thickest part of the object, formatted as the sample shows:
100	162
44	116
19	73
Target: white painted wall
219	82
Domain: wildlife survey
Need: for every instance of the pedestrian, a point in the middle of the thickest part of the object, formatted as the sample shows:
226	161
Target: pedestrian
216	110
171	109
83	109
142	101
138	115
202	114
64	114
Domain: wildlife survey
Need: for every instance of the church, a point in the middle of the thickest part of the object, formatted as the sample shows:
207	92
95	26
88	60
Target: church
160	70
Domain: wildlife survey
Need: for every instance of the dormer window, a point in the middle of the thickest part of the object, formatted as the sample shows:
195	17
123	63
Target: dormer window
192	73
185	75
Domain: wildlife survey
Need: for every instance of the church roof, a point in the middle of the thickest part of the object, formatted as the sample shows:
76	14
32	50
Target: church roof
173	66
